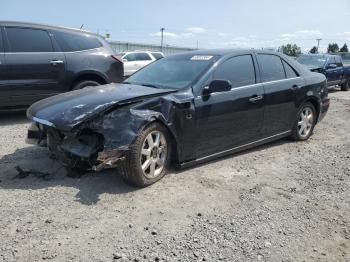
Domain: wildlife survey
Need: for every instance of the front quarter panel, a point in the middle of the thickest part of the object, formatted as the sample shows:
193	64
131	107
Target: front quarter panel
121	126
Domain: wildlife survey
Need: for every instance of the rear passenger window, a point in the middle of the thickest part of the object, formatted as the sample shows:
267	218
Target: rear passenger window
28	40
157	56
290	72
70	42
142	57
272	68
239	70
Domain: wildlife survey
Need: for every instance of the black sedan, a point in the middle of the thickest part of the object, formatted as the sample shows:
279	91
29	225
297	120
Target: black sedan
187	108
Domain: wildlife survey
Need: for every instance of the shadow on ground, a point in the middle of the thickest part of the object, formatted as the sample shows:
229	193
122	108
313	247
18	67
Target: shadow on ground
45	172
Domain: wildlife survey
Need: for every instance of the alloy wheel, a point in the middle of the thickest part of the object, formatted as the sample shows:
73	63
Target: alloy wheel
153	154
305	122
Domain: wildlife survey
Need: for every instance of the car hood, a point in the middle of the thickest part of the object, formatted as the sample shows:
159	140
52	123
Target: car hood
68	110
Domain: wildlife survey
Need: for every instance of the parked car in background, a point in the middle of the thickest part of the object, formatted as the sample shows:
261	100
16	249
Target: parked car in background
329	65
38	61
188	108
134	61
345	57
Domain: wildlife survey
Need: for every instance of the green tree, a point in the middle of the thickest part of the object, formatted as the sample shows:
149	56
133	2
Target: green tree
344	49
313	50
332	48
291	50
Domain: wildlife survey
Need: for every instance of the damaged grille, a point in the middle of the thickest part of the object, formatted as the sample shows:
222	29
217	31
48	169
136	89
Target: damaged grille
75	150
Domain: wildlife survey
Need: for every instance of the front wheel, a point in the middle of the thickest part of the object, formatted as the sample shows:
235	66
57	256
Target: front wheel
148	158
345	86
305	122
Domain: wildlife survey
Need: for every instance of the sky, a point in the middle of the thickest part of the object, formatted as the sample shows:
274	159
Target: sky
213	24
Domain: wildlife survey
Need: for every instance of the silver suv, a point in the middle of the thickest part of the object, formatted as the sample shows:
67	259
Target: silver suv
134	61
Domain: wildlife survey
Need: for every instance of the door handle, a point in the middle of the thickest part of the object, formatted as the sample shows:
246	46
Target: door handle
55	62
256	98
295	87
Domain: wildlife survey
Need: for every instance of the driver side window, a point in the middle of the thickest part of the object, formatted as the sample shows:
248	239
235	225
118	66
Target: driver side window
238	70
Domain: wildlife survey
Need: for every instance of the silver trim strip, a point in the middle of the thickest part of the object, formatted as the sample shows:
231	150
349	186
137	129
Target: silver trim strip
42	121
254	85
234	148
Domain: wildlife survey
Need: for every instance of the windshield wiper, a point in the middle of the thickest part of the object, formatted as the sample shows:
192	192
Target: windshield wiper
149	85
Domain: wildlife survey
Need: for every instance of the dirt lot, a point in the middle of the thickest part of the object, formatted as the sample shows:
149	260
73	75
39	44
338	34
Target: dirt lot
284	201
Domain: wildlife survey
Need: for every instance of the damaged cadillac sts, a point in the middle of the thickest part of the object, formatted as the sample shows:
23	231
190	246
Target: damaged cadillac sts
184	109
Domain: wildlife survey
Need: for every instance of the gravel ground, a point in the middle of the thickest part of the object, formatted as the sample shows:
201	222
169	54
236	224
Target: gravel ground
284	201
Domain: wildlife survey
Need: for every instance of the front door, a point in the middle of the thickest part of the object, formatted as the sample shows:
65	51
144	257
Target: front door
229	119
35	69
332	73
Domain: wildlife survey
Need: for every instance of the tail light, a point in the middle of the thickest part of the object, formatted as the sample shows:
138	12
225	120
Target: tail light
118	58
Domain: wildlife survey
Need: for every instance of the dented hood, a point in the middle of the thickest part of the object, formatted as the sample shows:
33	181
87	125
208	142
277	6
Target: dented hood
67	110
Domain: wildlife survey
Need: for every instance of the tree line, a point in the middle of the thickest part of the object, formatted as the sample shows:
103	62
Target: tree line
294	50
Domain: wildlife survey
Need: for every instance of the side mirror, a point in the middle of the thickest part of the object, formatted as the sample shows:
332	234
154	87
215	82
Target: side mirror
217	86
125	60
332	66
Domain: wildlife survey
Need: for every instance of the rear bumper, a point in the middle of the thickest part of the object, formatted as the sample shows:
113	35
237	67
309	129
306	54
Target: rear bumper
324	106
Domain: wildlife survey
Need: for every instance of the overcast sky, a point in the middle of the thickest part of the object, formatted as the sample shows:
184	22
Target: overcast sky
214	24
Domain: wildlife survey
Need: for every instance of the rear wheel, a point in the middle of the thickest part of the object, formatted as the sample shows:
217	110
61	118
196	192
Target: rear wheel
345	86
85	83
305	122
148	158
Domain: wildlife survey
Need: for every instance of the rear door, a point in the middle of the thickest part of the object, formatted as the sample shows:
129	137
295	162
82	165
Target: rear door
281	85
35	68
229	119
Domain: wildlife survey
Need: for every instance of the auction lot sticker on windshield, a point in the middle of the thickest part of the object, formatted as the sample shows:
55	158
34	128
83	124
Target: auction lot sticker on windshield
201	57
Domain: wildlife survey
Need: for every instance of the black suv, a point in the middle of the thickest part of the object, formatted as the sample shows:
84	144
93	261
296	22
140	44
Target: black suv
37	61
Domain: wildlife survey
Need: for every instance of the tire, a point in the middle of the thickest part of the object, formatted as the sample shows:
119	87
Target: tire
345	86
156	158
304	126
85	83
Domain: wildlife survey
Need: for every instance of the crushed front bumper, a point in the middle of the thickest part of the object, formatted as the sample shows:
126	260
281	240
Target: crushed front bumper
83	151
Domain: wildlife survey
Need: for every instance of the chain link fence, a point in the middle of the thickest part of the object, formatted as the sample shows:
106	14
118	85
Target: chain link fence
127	46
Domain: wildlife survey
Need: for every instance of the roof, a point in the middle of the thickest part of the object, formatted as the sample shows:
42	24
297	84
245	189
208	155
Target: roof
320	55
44	26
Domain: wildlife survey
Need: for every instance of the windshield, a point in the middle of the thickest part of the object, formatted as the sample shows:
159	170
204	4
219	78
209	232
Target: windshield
318	61
175	72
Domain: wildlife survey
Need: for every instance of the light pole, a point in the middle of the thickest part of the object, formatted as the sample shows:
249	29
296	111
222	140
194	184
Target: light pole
162	38
318	44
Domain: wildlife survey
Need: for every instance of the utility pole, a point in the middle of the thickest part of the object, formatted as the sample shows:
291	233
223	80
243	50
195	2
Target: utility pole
318	44
197	45
162	38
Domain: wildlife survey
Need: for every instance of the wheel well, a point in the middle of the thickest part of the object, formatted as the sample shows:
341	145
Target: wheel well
86	77
315	104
